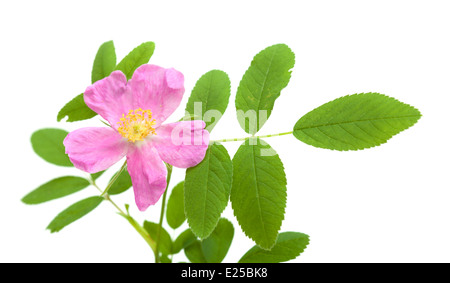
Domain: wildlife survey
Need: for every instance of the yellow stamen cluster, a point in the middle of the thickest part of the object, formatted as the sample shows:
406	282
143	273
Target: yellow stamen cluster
136	125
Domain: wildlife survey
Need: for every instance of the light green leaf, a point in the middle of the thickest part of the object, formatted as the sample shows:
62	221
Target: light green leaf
355	122
165	244
48	144
258	193
207	189
76	110
104	62
185	239
194	252
268	74
216	246
137	57
95	176
73	213
289	245
122	183
175	207
56	188
209	98
165	259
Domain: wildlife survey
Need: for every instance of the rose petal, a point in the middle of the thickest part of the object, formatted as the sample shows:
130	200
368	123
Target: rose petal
148	175
157	89
95	149
181	144
110	97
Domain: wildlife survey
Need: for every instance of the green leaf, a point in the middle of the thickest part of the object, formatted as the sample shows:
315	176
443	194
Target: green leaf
73	213
209	98
122	183
185	239
355	122
216	246
95	176
194	252
258	193
104	62
261	85
76	110
137	57
165	259
165	244
289	245
48	144
175	207
56	188
206	190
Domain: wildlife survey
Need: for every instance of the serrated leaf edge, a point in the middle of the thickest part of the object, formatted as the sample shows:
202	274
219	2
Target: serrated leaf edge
215	225
288	258
361	148
284	209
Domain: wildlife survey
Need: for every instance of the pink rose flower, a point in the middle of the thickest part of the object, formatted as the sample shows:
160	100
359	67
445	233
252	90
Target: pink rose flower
136	110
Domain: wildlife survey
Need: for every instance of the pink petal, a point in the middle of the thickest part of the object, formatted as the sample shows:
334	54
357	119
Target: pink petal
148	175
157	89
110	97
182	144
95	149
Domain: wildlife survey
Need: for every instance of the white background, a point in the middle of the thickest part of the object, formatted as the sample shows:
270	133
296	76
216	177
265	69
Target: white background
386	204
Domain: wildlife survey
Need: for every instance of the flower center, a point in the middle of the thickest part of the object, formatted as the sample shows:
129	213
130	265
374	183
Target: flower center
136	125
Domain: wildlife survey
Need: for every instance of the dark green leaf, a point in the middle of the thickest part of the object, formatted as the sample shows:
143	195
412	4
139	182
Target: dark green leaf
209	98
73	213
175	206
165	244
261	85
105	61
137	57
48	144
216	246
258	193
122	183
355	122
76	110
289	245
56	188
194	252
207	189
185	239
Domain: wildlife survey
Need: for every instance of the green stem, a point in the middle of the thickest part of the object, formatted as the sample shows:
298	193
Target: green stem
141	230
114	204
161	217
114	179
144	234
243	139
93	183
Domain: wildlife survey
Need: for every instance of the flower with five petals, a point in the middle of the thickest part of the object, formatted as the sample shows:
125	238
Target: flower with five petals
136	109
